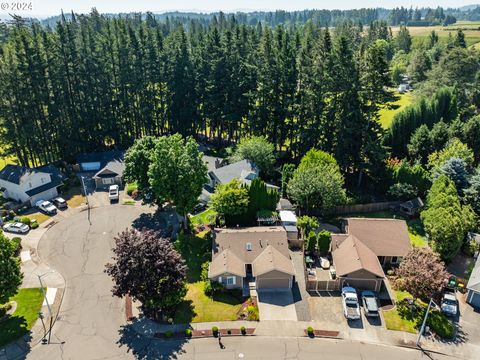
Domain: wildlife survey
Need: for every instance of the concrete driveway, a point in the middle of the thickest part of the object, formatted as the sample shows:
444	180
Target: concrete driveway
276	305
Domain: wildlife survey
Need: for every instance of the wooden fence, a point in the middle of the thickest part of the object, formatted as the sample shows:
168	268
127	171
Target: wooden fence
362	208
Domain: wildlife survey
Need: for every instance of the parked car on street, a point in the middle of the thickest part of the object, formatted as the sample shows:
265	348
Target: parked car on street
351	309
17	228
113	193
60	203
370	305
449	304
46	207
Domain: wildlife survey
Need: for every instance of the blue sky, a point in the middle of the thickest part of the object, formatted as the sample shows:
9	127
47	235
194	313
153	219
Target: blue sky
53	7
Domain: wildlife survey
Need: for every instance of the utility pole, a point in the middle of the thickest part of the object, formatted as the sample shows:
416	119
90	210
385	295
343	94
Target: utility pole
422	329
48	305
86	197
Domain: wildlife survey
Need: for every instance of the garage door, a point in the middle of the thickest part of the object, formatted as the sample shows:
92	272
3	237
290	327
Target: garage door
473	299
362	284
272	283
90	166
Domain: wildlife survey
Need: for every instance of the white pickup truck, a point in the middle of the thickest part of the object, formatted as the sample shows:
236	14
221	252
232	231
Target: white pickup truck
351	309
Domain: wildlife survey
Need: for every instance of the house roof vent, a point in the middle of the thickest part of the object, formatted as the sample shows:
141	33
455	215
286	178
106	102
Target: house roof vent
248	246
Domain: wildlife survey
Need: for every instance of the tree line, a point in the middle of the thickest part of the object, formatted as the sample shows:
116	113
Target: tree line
96	81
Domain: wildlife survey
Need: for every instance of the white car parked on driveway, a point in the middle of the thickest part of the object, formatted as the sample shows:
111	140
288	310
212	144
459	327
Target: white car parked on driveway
113	193
351	309
47	207
17	228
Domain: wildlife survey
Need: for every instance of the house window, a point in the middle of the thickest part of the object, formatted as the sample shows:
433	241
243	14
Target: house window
108	181
227	280
396	259
249	246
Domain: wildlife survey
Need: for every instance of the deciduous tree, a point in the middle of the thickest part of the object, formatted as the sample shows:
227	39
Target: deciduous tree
12	276
147	267
230	199
177	172
421	273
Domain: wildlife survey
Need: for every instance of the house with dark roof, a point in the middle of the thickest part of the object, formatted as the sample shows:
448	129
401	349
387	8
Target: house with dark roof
257	255
367	247
24	184
107	166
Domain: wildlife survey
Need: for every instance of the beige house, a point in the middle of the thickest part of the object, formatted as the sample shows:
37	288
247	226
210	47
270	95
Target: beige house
251	255
366	249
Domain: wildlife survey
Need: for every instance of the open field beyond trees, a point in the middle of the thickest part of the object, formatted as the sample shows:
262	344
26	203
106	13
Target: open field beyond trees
471	29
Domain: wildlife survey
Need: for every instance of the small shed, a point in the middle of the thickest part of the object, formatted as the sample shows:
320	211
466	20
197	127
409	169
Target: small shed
412	207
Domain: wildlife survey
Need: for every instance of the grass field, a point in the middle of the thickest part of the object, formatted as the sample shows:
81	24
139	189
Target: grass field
471	29
386	115
29	303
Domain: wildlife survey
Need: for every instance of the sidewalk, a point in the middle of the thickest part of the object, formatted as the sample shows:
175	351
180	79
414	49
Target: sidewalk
296	329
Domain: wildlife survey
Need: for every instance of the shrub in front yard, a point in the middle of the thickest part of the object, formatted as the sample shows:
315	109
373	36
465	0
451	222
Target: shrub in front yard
212	288
34	225
188	332
18	245
4	308
215	330
253	314
243	330
131	187
310	331
440	325
25	220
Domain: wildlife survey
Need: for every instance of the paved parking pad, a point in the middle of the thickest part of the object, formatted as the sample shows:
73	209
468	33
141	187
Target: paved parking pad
276	305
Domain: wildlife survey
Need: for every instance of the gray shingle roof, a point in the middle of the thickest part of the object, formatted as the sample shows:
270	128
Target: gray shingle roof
238	170
474	281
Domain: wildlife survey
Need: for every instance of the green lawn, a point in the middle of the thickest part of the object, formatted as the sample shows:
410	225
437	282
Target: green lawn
29	303
203	217
404	318
386	115
40	217
195	249
198	307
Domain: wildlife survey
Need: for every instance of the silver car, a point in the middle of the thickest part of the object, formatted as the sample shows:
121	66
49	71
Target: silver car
18	228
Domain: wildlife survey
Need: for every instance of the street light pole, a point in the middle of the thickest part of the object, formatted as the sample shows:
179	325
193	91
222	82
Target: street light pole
48	305
422	329
86	197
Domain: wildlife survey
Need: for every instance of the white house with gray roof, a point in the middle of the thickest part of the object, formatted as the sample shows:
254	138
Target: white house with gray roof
25	184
